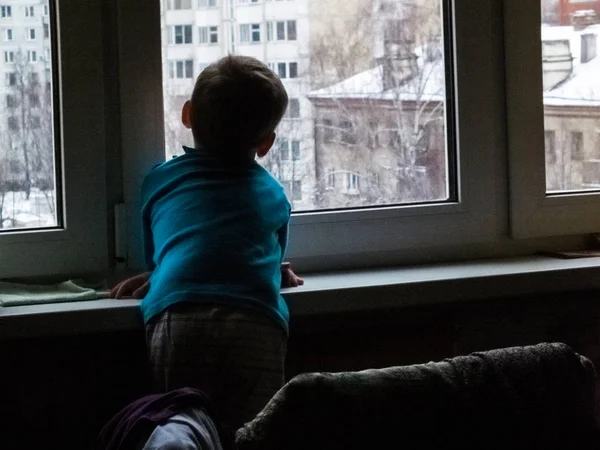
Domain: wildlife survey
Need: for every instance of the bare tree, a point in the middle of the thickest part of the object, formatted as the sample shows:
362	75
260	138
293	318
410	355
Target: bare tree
388	145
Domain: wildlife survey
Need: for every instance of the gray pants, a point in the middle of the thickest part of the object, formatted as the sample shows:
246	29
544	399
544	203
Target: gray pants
234	355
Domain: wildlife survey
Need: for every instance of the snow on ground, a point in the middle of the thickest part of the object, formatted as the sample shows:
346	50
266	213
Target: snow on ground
19	212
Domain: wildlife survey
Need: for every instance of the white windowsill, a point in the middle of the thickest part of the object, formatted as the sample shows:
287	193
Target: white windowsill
338	292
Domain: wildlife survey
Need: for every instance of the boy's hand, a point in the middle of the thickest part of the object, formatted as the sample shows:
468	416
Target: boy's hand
136	287
288	277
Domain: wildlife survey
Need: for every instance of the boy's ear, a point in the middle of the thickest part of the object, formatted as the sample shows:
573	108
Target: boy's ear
263	147
186	115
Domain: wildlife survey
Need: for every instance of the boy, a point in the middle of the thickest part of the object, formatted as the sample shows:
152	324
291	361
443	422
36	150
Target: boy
215	234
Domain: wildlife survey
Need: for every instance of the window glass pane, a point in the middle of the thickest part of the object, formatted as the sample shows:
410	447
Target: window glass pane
389	148
571	69
28	163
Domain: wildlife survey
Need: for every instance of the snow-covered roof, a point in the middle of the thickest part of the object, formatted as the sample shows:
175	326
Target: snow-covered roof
427	85
582	88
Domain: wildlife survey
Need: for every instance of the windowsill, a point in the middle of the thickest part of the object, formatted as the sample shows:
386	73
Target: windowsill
338	292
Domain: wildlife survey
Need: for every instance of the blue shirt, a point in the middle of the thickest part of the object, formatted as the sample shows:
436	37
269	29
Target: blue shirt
214	232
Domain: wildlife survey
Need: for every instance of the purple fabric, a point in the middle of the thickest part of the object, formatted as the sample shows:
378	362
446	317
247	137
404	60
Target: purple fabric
134	423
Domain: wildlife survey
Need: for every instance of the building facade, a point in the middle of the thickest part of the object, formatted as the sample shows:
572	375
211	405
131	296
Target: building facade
198	32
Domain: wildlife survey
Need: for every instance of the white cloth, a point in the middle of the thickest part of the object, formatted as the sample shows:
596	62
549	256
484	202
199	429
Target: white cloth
190	430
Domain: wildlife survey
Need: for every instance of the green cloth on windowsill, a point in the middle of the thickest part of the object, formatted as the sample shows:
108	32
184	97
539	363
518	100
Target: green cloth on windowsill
17	294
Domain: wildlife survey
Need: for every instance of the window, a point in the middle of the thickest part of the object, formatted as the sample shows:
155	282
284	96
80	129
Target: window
352	182
8	34
45	10
31	34
283	30
293	110
11	79
180	4
29	11
5	11
9	57
181	34
295	150
207	3
11	101
348	136
46	31
34	78
326	131
293	70
31	56
34	101
250	32
209	35
47	54
331	178
180	70
576	145
13	123
293	189
284	69
288	147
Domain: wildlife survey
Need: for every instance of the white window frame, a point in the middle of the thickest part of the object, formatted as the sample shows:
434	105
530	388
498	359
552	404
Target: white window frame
30	11
208	3
272	34
9	34
391	233
32	56
5	11
81	246
173	34
533	212
174	69
9	57
206	34
172	4
31	34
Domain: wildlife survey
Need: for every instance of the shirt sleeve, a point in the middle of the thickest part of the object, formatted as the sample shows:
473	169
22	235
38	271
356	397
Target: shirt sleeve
283	233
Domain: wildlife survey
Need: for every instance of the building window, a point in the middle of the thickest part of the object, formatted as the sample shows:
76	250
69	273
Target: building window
331	178
285	69
11	101
36	122
209	35
5	12
207	3
283	149
45	10
34	100
293	189
29	11
250	32
11	79
46	31
9	57
293	110
8	34
282	31
31	34
295	150
47	54
577	146
326	130
34	78
373	135
31	56
352	182
13	123
181	70
550	139
180	4
348	136
180	34
293	70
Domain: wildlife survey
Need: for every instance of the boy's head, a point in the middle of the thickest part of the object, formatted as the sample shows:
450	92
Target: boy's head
235	107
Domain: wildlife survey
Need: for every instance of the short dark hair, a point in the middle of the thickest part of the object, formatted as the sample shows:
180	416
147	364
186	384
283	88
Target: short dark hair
237	101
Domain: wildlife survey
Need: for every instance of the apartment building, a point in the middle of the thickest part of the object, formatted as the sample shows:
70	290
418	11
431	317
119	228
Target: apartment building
27	168
198	32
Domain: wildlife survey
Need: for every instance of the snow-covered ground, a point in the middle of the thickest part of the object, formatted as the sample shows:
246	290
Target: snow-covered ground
36	212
